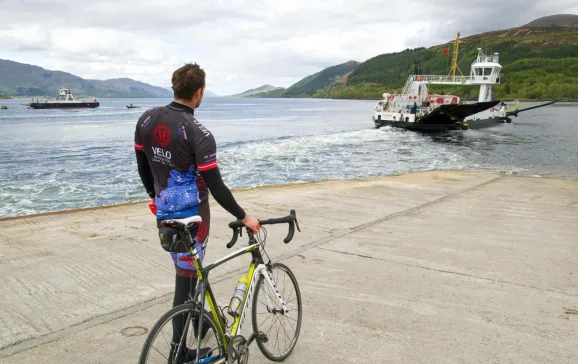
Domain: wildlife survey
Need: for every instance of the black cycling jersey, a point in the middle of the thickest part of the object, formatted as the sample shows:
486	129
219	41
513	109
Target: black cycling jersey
177	162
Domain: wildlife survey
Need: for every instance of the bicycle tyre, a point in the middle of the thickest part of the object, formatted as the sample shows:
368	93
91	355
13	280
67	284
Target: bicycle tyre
261	345
167	318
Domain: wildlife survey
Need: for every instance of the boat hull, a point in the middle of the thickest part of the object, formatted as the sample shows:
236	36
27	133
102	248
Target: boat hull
448	117
471	124
64	105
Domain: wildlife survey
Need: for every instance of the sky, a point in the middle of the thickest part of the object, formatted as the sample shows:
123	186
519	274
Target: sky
241	44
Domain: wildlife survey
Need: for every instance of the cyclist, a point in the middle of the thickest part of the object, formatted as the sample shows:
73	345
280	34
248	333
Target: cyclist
177	163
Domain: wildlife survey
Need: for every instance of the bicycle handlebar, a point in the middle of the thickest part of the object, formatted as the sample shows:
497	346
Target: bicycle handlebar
290	219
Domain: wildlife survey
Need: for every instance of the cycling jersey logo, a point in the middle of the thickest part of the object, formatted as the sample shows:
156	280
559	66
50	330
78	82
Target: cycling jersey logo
162	135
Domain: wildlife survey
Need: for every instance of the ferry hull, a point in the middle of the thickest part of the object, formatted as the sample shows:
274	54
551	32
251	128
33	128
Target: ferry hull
447	117
63	105
471	124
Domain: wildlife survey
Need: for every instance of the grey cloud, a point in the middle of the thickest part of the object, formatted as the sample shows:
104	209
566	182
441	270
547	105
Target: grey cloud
129	15
473	17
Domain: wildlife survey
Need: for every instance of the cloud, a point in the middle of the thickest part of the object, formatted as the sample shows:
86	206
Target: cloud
241	44
473	17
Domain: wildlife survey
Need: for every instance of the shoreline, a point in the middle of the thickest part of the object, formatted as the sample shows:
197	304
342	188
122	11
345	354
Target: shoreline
284	185
271	98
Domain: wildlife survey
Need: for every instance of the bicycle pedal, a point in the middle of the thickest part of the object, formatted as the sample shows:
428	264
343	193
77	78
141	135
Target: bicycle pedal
262	338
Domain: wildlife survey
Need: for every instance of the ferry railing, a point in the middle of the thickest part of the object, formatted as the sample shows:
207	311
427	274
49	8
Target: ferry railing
407	85
456	79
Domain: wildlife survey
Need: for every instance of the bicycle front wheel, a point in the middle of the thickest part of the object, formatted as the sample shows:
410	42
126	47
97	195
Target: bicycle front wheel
174	338
282	328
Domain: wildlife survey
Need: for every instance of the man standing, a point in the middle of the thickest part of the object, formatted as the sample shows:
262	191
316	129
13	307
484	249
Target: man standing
177	163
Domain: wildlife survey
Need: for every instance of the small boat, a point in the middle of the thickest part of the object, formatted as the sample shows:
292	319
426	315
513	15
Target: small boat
131	106
4	107
65	100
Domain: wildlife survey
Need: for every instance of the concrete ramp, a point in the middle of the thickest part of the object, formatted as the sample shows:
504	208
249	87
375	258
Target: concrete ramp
433	267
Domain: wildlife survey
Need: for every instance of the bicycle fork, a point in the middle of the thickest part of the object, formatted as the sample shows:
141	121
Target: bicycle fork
270	306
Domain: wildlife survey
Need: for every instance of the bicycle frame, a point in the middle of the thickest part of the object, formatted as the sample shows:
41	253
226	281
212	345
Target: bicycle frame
256	268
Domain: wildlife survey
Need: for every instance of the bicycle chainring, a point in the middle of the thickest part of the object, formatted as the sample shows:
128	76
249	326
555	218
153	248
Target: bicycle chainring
238	351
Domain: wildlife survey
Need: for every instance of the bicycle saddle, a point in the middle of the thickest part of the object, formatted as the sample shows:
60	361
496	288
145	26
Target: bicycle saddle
186	222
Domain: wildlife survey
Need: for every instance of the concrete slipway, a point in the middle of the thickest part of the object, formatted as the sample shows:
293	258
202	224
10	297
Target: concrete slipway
434	267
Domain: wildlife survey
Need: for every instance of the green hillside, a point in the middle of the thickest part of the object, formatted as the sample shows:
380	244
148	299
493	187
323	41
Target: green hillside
19	79
538	63
258	90
308	86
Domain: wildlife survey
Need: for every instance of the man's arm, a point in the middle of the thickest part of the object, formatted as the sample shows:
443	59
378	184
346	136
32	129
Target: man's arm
144	169
205	151
221	192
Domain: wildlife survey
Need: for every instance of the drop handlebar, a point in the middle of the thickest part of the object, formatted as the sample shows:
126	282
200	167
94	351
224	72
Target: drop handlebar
290	219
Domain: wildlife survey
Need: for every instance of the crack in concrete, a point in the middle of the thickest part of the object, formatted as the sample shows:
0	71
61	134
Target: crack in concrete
448	271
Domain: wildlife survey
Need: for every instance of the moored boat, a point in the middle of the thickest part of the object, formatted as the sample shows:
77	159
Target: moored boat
65	100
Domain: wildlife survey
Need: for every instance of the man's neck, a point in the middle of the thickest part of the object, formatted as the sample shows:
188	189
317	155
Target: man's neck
188	104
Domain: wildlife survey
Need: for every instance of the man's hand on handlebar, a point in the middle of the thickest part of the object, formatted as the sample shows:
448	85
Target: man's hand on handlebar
252	223
255	225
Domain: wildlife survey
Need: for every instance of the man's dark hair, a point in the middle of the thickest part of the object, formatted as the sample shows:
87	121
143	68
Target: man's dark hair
187	80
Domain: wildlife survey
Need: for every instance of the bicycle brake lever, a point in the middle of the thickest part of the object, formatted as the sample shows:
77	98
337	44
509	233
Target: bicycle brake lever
297	225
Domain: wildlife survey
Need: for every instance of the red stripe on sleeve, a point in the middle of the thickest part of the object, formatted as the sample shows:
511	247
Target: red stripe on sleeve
207	166
138	146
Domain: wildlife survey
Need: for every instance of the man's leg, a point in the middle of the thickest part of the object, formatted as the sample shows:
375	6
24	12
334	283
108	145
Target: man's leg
186	276
183	286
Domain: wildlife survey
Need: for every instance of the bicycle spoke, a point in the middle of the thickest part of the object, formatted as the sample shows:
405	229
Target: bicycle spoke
160	353
283	326
289	322
278	337
270	315
274	319
165	338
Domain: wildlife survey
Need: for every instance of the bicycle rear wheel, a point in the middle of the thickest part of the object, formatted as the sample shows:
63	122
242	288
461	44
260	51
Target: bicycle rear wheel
267	312
159	346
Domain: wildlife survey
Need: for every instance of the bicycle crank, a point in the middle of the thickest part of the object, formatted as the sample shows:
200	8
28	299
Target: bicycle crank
238	351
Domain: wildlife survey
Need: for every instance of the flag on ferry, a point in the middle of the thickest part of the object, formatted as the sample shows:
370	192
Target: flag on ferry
446	51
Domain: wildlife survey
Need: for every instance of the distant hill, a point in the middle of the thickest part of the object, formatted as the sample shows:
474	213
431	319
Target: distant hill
210	94
254	91
20	79
308	86
560	19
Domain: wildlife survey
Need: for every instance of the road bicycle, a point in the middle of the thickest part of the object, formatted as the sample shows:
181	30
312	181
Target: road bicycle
225	344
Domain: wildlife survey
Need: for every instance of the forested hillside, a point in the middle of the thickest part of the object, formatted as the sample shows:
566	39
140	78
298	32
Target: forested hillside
538	63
